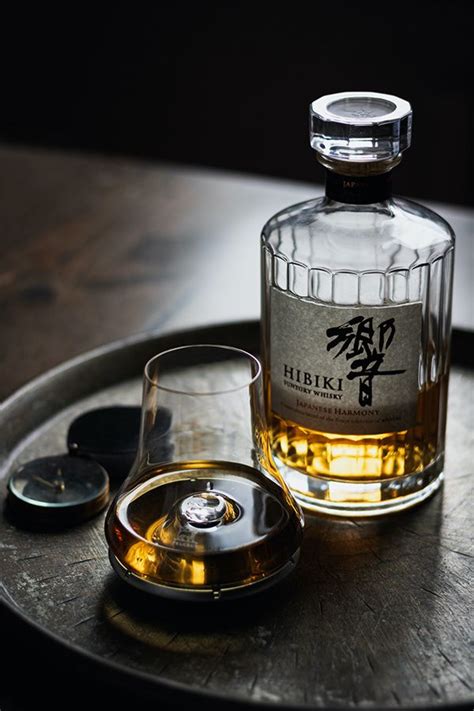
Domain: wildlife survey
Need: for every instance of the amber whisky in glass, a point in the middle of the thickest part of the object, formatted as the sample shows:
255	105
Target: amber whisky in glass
204	514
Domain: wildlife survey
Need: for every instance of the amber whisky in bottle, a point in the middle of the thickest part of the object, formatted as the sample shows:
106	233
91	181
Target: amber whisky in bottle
356	305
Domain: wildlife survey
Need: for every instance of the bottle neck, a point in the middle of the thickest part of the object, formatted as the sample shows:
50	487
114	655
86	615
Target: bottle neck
359	183
358	189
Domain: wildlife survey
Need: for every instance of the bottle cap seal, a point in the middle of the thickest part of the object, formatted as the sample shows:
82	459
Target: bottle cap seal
360	126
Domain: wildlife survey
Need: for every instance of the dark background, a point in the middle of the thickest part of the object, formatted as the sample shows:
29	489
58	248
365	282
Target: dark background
229	84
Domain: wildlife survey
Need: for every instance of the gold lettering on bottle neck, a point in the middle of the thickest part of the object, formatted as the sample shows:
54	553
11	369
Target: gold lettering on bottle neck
350	184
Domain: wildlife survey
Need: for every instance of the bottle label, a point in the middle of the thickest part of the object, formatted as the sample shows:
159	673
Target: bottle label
346	370
358	189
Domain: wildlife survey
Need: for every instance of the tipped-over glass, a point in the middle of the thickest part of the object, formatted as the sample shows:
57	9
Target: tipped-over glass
204	513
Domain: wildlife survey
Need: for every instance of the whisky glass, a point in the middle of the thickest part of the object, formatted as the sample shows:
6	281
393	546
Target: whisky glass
204	513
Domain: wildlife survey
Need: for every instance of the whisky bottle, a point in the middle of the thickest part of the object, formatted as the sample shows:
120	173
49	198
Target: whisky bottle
356	305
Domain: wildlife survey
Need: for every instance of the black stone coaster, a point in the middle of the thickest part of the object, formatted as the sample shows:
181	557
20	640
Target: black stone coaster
60	490
108	435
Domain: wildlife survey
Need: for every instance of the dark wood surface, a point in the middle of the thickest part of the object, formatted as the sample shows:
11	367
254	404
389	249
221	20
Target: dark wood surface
93	250
97	249
376	613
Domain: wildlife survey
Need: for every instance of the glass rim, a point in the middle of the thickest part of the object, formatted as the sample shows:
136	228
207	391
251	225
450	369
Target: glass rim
216	346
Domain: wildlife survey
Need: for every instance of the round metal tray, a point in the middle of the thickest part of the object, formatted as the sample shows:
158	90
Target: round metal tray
376	613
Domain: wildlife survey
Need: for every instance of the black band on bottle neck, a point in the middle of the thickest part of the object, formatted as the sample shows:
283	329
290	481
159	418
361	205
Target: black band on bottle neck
358	189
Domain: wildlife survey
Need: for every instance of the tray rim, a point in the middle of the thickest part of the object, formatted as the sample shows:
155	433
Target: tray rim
117	670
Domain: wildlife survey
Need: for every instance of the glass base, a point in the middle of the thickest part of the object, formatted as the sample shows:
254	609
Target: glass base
368	498
203	594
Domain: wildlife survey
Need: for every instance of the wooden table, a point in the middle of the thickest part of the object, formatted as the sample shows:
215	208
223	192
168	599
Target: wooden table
93	250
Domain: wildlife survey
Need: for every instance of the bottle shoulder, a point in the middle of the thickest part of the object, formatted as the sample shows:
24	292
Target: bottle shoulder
395	233
424	215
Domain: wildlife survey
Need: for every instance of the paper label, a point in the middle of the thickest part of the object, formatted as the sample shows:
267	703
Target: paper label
347	370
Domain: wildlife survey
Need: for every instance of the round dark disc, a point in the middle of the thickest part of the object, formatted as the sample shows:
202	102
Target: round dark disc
109	435
59	489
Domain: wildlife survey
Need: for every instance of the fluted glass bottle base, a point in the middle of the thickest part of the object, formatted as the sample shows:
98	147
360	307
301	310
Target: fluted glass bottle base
374	498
